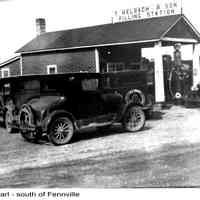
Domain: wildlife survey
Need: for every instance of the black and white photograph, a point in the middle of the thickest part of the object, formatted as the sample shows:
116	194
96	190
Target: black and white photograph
99	95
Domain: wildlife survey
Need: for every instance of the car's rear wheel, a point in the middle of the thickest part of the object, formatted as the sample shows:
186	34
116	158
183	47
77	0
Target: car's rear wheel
134	119
61	131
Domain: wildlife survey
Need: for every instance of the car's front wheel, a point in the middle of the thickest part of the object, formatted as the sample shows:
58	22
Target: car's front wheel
134	119
61	131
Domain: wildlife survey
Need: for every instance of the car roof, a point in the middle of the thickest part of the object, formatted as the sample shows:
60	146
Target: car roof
80	75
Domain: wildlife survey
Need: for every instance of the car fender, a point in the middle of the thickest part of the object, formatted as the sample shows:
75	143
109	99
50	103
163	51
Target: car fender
48	119
135	91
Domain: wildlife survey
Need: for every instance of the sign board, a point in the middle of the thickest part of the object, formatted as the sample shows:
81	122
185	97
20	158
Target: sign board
172	7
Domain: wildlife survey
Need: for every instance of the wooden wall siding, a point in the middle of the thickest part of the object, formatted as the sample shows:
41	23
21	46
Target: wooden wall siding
66	61
14	67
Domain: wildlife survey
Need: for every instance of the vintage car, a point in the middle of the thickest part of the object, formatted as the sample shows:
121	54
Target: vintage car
134	85
59	105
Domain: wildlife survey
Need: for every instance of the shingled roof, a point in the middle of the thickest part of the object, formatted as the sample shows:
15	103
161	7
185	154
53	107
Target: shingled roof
145	30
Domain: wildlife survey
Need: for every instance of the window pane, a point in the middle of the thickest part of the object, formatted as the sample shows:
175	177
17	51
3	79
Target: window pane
115	66
5	73
52	70
90	84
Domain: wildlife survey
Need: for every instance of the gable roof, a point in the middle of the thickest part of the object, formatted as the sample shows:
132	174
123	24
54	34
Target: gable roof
138	31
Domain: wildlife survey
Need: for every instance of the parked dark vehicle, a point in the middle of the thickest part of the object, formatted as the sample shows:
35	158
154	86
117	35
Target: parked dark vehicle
135	86
60	104
14	92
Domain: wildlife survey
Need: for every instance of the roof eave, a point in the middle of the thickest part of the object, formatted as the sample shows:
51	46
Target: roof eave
9	61
194	29
180	40
90	46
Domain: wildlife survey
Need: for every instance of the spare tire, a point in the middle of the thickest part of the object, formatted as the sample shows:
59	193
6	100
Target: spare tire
26	119
135	96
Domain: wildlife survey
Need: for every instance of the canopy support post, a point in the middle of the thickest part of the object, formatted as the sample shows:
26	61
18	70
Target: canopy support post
158	74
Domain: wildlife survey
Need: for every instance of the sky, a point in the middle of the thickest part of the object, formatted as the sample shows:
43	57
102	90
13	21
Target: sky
17	18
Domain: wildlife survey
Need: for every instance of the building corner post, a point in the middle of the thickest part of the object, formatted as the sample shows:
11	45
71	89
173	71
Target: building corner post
97	64
21	65
159	74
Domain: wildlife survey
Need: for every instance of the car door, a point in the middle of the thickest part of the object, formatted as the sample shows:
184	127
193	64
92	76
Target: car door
90	103
112	99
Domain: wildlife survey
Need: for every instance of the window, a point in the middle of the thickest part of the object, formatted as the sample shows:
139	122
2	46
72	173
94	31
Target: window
105	83
115	66
54	84
90	84
51	69
31	85
7	89
134	66
5	72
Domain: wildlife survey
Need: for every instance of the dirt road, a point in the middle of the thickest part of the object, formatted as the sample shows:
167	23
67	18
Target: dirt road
165	154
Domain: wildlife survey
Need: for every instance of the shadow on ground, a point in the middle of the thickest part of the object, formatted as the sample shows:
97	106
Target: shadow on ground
92	134
157	115
101	132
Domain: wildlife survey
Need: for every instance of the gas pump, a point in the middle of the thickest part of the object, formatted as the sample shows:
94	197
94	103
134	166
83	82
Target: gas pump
179	77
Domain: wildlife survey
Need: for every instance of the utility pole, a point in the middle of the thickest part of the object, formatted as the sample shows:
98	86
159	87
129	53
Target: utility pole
181	7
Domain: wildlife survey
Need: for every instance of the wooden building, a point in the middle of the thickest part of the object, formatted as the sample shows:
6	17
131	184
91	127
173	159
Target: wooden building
10	67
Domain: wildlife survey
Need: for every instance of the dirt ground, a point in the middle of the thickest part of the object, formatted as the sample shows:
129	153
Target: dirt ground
165	154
